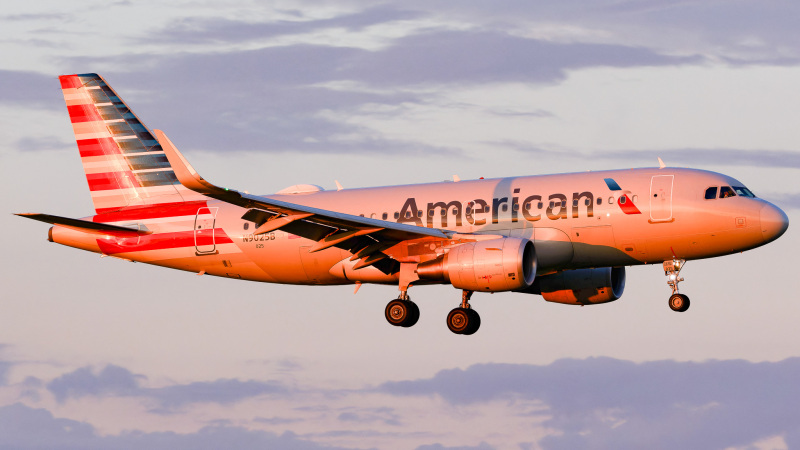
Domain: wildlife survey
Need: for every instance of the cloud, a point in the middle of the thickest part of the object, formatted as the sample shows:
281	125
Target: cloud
195	30
32	144
112	380
25	427
30	89
274	99
4	368
383	415
696	156
603	402
746	30
219	391
787	200
712	156
481	446
118	381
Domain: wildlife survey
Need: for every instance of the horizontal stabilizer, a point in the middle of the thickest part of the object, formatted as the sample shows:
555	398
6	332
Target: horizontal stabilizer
86	226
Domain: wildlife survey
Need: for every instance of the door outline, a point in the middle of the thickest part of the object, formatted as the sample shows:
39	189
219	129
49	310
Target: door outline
202	227
661	187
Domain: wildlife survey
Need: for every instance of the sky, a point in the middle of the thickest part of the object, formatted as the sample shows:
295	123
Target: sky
102	353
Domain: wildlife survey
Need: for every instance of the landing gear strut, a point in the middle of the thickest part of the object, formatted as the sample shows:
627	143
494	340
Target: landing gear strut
672	269
402	312
464	319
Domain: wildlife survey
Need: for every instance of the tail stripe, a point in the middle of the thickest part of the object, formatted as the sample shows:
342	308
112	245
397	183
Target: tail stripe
124	164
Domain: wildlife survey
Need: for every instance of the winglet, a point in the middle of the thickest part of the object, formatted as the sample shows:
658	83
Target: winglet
338	185
661	164
183	170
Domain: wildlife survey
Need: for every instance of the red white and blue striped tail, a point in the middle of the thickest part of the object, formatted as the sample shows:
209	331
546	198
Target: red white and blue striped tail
124	164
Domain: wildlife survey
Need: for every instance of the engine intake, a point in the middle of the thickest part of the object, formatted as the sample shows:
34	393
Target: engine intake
581	286
494	265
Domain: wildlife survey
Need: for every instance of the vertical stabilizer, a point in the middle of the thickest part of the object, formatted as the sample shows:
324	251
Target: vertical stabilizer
124	163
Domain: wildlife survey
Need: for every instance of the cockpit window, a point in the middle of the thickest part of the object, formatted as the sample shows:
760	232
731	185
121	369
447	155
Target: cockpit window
726	191
744	192
711	193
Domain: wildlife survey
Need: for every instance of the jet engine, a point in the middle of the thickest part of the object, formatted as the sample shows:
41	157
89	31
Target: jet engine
581	286
493	265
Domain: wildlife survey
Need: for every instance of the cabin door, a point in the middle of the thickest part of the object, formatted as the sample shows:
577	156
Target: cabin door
204	242
661	198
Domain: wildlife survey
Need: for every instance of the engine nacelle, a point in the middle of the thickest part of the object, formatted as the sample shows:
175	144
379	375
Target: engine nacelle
494	265
581	286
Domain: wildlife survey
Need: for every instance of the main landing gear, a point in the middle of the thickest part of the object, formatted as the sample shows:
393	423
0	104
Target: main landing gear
672	269
402	312
464	319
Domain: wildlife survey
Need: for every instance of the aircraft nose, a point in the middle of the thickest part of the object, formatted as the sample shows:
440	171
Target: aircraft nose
774	222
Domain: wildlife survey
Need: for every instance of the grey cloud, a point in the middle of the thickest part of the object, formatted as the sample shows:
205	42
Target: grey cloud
32	144
276	420
30	89
202	30
753	29
481	446
220	391
602	402
33	17
791	201
715	156
113	380
4	368
25	427
695	156
270	99
387	416
118	381
481	57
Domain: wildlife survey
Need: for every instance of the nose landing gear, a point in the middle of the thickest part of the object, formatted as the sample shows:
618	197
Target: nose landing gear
672	269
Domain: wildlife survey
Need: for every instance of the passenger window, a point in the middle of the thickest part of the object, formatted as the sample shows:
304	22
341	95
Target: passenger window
623	199
711	193
599	201
726	191
396	215
385	216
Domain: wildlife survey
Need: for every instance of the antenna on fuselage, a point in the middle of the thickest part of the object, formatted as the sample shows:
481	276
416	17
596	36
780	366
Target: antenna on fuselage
661	164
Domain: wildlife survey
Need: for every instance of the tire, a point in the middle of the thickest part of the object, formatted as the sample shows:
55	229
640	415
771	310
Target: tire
397	312
413	314
458	320
474	322
679	302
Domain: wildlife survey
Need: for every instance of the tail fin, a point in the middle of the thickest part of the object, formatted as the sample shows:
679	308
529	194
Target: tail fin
124	164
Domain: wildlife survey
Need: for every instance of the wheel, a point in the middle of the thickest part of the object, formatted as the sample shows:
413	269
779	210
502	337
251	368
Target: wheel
679	302
402	313
463	321
474	322
413	314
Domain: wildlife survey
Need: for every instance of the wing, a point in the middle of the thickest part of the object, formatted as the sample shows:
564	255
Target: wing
366	238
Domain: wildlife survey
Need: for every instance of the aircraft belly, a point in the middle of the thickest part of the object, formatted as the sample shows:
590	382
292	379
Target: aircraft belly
285	258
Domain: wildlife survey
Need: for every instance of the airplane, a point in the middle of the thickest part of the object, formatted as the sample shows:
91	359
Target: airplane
566	237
